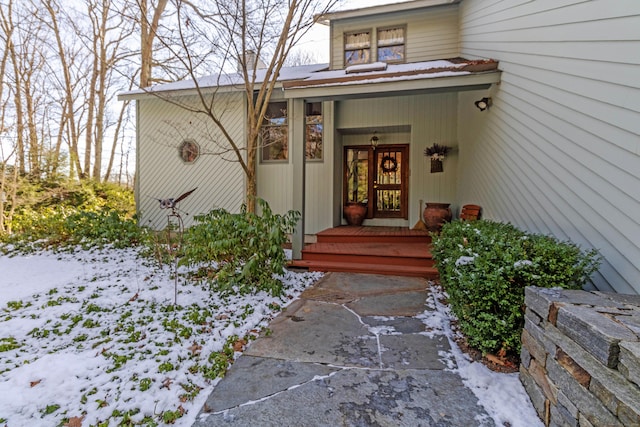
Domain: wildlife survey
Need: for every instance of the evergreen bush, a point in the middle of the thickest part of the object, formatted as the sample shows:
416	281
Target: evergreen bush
484	266
54	214
245	249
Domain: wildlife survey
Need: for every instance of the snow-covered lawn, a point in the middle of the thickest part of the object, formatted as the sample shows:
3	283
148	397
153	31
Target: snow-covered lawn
93	338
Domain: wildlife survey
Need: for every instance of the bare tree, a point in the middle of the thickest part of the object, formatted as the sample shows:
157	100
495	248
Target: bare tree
66	58
109	31
8	177
243	31
149	24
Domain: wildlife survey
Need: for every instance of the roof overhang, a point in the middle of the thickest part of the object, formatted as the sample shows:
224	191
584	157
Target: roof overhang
168	94
384	9
432	76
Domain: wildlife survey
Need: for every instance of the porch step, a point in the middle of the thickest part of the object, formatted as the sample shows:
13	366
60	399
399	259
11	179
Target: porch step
362	234
396	251
396	254
385	269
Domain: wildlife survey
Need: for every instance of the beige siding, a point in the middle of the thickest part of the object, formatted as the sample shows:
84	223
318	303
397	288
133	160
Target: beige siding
431	34
559	151
161	172
430	118
319	181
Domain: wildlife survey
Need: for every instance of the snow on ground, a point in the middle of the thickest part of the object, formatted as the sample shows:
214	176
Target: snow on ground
502	395
93	336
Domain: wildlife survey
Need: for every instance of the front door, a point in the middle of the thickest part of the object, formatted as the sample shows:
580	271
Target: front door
378	177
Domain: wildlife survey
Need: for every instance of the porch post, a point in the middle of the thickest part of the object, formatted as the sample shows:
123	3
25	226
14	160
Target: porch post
297	149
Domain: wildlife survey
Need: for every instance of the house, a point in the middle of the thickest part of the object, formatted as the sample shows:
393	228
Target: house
557	150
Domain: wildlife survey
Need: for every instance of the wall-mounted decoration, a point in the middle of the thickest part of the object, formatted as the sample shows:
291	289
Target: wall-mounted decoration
189	151
436	153
388	164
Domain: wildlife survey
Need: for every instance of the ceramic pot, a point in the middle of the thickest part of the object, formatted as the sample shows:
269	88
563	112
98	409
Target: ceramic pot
354	213
435	215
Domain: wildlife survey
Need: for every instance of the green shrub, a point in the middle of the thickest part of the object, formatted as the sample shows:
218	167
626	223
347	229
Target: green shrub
484	266
246	247
58	214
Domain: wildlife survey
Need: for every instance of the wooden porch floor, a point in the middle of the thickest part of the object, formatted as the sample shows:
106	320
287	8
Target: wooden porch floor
397	251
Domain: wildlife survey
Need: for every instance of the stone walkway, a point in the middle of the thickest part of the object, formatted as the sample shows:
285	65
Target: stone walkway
351	351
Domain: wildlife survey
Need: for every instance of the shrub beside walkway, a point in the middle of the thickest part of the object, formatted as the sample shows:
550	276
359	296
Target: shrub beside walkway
353	350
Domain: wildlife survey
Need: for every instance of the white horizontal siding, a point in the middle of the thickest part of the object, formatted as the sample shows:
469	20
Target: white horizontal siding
162	174
559	150
431	34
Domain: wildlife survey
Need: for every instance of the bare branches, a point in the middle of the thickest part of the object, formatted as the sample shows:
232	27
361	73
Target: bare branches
243	32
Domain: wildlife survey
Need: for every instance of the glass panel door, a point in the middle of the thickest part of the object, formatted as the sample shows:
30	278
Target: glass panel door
390	183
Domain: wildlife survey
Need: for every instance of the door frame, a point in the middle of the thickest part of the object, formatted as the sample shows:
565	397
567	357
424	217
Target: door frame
372	177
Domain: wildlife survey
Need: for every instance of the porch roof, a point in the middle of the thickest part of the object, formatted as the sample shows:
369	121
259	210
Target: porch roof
381	79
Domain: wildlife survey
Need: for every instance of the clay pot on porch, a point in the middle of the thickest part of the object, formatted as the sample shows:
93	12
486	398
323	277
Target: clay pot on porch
354	213
435	215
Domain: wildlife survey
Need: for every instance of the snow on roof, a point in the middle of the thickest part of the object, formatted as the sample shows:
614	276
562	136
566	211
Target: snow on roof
227	80
317	75
399	6
395	72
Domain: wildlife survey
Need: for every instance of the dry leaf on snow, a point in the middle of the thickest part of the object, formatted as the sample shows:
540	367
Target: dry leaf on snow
74	422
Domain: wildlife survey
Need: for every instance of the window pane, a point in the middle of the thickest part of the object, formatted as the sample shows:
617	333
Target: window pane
275	144
313	140
276	114
391	36
313	130
357	175
274	132
392	53
360	56
357	40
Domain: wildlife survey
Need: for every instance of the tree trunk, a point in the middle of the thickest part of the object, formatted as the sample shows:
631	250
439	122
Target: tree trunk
148	32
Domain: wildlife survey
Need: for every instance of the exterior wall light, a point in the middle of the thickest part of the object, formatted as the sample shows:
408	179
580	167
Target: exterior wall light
374	140
483	104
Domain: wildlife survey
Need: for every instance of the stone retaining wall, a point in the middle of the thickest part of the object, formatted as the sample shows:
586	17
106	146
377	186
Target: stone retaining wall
581	357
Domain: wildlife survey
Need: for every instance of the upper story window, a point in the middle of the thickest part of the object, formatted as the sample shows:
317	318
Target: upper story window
313	130
357	48
275	133
391	44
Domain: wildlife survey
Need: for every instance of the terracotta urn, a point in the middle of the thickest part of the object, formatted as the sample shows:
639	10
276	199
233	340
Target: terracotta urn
435	215
354	213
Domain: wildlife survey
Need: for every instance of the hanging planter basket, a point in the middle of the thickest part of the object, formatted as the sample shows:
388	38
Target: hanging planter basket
437	153
436	165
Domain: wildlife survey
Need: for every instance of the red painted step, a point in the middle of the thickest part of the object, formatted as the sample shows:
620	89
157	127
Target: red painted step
396	251
416	254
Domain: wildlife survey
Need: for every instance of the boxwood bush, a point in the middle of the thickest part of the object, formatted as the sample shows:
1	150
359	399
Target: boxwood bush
484	266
